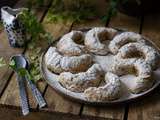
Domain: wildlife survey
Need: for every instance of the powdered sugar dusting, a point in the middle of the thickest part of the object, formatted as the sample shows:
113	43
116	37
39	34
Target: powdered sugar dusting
109	63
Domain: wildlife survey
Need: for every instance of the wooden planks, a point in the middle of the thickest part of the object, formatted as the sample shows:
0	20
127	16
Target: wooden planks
149	107
11	93
6	52
125	22
88	24
151	28
108	112
57	103
146	109
14	114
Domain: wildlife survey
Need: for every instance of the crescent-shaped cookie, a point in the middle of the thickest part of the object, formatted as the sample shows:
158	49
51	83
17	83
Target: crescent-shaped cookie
95	37
67	44
83	80
139	51
124	38
110	91
142	71
58	63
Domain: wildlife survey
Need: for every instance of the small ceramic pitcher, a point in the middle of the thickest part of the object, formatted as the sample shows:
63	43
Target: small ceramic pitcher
13	26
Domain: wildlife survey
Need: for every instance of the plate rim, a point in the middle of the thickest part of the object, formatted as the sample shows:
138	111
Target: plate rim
115	102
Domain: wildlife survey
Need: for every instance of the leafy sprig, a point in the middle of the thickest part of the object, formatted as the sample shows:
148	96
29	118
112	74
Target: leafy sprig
74	10
36	32
21	71
34	28
31	24
34	71
12	64
2	62
34	68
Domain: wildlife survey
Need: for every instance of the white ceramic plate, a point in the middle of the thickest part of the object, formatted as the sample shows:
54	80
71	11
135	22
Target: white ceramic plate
127	96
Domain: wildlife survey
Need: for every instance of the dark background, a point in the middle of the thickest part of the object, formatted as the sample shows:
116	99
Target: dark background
7	3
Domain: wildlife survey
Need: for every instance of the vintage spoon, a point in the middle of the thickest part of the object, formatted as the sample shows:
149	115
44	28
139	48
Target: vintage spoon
21	63
20	59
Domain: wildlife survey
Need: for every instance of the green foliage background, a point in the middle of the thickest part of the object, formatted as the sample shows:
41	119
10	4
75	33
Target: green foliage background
75	10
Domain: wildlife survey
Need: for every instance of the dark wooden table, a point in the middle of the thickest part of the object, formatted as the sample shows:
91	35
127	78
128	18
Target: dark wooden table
60	108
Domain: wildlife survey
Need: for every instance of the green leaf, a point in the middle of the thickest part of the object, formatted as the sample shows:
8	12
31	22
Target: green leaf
22	72
12	64
32	26
76	10
2	62
37	77
49	38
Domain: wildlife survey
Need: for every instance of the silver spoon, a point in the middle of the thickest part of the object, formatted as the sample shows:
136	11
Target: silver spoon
22	62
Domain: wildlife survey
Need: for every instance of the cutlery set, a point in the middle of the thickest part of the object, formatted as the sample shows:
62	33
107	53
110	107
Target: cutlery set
22	63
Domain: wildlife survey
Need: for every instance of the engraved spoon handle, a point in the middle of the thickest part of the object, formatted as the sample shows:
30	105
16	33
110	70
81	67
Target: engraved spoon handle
36	93
23	95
